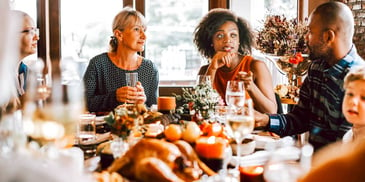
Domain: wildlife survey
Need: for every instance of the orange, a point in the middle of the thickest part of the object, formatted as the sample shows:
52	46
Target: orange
173	132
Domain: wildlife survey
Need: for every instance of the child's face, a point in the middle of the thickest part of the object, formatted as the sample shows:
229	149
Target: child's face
353	106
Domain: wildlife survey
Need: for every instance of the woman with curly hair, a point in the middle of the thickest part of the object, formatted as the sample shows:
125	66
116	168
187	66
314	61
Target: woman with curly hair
226	40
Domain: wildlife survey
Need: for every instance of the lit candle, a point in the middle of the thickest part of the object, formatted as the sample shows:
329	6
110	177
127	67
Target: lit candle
211	150
211	147
251	173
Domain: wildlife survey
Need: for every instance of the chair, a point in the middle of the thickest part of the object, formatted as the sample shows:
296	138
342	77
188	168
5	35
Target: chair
279	104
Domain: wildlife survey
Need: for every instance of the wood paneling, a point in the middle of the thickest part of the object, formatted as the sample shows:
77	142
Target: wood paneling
218	4
55	36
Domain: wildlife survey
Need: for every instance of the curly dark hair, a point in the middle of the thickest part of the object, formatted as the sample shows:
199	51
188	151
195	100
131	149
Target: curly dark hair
208	26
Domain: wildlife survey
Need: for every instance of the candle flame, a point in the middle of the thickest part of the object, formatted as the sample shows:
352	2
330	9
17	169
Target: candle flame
211	140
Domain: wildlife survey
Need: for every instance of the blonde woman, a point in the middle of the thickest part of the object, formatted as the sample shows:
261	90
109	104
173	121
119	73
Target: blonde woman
105	80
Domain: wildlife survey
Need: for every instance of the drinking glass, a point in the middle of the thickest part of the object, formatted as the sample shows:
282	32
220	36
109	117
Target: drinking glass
86	128
131	79
43	90
204	80
240	122
235	93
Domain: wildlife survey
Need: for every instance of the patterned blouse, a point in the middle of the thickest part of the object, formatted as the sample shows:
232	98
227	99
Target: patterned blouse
103	77
319	110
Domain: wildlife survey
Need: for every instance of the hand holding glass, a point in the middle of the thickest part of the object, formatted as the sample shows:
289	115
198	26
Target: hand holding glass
131	79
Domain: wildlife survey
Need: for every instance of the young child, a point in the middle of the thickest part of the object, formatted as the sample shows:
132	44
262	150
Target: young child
353	105
343	161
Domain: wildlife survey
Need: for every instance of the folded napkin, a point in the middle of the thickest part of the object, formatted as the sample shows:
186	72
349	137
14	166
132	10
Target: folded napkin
257	158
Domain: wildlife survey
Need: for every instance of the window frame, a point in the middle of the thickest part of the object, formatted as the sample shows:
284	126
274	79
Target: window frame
48	21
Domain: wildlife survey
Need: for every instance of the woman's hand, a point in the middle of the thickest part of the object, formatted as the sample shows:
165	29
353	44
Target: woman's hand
133	95
247	79
221	59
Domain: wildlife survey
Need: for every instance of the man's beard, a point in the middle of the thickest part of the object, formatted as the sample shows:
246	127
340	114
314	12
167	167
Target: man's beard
319	52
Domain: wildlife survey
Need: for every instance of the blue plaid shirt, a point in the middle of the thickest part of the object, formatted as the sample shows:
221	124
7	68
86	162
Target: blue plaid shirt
319	109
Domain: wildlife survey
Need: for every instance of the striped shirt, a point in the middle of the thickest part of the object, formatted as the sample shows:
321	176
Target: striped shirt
319	109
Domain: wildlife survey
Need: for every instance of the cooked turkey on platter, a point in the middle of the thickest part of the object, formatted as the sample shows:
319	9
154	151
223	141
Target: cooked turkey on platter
159	160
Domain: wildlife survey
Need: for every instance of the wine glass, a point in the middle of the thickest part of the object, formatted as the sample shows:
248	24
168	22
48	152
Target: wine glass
240	122
235	93
203	80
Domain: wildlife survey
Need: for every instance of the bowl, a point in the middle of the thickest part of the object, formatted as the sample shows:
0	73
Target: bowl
247	146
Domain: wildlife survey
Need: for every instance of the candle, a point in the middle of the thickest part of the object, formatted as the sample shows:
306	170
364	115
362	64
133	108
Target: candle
166	104
211	151
211	147
251	173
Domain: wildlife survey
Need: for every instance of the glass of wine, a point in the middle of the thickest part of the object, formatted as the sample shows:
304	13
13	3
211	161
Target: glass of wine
240	122
235	93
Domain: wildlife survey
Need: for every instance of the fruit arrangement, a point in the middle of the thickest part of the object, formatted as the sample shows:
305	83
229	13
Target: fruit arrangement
190	131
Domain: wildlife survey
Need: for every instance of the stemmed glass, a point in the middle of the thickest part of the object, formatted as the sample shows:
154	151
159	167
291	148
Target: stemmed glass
203	79
235	93
240	123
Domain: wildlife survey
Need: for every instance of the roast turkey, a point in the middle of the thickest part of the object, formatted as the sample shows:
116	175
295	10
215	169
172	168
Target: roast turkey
159	160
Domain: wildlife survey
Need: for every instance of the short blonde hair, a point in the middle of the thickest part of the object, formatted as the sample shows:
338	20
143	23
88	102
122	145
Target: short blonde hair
122	20
357	73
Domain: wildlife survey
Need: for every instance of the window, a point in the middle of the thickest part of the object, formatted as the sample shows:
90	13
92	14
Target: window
255	12
170	26
86	27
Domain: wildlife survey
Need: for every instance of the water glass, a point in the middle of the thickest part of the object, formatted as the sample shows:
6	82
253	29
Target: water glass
220	113
203	79
86	128
131	79
235	93
118	147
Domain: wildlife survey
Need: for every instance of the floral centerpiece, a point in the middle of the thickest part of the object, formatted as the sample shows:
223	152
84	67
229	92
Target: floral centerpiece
198	101
281	36
124	119
284	42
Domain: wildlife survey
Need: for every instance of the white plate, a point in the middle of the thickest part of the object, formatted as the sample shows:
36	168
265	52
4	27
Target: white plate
257	158
100	119
263	141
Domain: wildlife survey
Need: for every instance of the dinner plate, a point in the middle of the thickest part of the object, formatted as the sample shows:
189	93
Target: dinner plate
255	159
263	141
100	119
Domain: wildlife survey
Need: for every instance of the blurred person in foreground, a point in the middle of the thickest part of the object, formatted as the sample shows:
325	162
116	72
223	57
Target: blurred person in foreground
226	40
28	37
319	111
105	80
338	162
